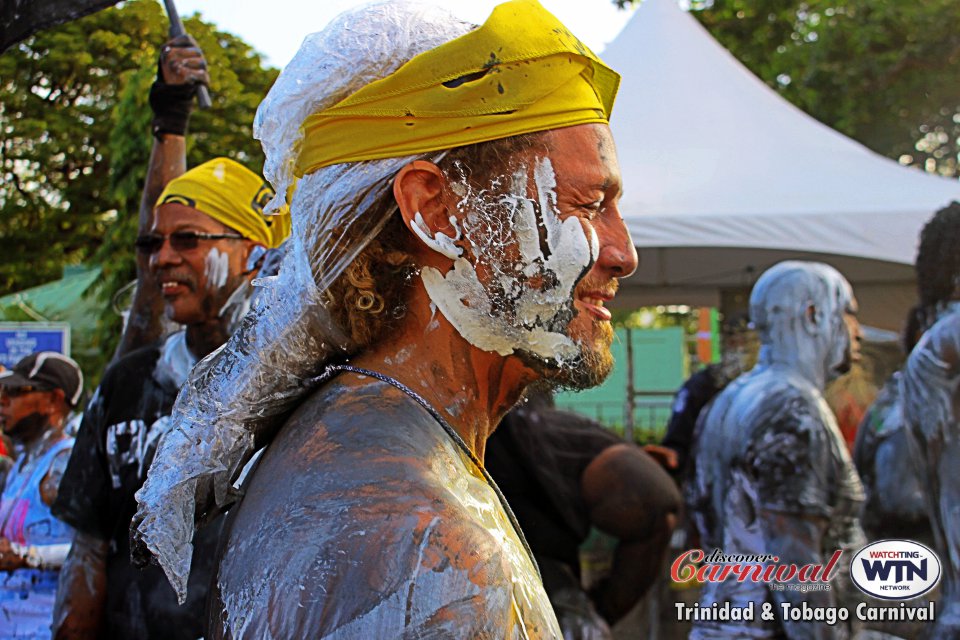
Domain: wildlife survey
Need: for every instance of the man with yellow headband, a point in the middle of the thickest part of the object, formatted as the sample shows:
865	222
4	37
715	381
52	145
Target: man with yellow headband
208	234
456	237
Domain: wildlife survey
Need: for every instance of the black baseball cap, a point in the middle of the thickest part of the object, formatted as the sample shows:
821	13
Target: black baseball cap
45	371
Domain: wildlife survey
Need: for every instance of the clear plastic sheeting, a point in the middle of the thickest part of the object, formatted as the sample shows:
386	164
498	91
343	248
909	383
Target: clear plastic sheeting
237	397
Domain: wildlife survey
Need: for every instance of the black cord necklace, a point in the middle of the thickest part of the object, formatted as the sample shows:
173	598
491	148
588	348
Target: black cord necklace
453	436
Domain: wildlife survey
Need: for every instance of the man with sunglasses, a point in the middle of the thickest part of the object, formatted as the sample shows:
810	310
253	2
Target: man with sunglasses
208	237
36	397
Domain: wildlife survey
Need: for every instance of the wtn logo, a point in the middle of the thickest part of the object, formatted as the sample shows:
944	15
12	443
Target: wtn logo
903	569
895	569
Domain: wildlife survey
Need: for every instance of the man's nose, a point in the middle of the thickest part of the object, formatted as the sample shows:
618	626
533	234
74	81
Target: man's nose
164	256
618	256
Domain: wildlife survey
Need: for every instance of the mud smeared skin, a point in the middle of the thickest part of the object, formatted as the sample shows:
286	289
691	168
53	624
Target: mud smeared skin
535	261
771	473
931	397
383	502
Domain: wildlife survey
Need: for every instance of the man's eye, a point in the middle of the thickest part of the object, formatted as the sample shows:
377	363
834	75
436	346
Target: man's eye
592	208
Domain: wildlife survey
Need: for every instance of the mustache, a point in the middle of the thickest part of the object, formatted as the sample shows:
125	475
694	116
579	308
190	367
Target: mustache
175	276
596	285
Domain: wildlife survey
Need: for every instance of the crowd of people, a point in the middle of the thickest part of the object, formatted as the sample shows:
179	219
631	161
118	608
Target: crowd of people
329	412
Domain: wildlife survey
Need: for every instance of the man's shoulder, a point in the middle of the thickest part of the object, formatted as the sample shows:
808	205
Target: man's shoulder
939	347
765	415
405	544
362	487
128	391
774	394
135	365
355	447
434	578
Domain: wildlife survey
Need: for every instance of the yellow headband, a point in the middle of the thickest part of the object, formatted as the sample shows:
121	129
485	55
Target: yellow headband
227	191
521	72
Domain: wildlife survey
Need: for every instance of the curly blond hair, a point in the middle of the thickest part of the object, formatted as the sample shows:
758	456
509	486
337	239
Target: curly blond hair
369	297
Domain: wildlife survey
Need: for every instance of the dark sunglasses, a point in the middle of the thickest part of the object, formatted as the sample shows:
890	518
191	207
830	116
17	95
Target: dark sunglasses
16	392
179	240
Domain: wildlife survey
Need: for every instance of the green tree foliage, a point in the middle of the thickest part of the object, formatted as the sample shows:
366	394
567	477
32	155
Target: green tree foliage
76	140
884	72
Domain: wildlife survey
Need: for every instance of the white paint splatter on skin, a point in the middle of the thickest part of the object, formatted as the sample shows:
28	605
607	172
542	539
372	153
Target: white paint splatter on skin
216	268
527	302
404	354
439	242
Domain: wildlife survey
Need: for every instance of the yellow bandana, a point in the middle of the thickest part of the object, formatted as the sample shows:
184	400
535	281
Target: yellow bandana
521	72
227	191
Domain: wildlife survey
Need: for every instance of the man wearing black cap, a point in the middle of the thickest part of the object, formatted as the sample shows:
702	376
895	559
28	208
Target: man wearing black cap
36	396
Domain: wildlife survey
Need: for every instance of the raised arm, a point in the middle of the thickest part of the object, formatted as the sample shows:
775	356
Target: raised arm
180	69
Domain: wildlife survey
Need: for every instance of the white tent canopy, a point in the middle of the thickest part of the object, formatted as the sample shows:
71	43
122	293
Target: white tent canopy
723	177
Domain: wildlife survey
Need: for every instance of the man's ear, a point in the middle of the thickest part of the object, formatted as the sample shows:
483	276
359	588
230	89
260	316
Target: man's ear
420	189
58	399
812	319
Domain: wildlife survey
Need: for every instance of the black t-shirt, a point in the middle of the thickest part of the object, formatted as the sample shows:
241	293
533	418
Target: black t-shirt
537	457
114	448
696	392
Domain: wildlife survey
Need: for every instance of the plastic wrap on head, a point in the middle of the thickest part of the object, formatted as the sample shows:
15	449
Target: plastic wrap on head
357	48
237	397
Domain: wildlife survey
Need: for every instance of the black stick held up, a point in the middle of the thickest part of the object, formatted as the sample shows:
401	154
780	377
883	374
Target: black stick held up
176	29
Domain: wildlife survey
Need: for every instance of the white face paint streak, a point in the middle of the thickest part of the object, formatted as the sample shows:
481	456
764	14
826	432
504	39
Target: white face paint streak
217	268
528	295
594	244
441	243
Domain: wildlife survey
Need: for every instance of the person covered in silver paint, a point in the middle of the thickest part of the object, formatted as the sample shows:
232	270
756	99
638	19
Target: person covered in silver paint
931	402
771	473
893	482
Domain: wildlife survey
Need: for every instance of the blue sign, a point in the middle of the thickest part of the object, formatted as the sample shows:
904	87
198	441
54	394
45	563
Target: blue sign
20	339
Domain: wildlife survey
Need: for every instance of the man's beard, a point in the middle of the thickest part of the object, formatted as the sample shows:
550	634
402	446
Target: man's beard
28	426
589	368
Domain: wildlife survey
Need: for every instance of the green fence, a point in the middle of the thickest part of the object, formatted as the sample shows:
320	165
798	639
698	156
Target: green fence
659	368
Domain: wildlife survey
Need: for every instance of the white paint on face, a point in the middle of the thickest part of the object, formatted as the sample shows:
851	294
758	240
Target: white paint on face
216	268
440	242
525	301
